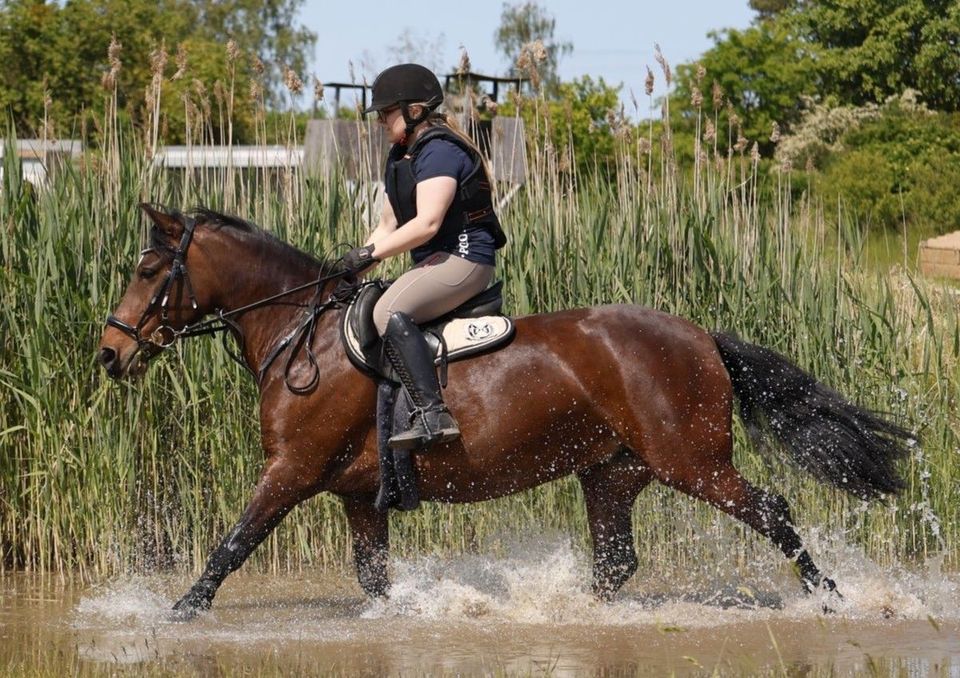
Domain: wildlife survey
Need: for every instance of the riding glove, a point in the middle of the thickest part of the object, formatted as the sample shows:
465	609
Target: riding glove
359	258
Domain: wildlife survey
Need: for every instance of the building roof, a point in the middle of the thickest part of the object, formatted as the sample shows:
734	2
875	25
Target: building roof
37	148
479	77
229	156
345	85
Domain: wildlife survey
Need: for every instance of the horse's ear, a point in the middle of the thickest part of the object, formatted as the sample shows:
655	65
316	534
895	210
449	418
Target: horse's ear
168	223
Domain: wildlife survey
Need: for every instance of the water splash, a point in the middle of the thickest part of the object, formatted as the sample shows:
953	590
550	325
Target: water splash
531	603
546	581
535	582
131	600
542	580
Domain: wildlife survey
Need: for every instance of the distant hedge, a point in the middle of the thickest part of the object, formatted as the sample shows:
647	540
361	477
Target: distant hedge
901	167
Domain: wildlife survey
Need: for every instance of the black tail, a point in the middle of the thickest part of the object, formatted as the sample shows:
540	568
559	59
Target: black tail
825	434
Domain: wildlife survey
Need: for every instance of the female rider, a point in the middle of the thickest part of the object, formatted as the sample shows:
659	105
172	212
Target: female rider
440	209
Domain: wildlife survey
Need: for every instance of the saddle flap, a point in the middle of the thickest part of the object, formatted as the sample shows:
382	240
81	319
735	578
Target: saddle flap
463	337
358	334
361	315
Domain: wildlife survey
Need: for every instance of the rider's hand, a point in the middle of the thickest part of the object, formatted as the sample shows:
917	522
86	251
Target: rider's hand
359	259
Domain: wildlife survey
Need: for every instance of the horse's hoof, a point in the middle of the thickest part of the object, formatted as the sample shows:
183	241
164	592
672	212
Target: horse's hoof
377	592
187	608
183	614
603	595
605	591
830	587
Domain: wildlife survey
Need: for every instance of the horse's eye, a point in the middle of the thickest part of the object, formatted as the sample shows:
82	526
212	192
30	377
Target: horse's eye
147	273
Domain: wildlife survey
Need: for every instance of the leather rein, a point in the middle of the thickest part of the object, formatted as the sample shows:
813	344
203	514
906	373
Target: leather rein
165	335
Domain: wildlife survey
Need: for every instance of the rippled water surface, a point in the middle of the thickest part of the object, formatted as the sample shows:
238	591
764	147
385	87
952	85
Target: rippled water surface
528	611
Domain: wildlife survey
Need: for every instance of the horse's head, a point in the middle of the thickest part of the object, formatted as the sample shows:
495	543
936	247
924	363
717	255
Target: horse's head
159	300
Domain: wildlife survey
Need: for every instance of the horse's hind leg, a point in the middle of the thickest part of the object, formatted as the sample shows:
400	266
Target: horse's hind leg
767	513
609	490
370	533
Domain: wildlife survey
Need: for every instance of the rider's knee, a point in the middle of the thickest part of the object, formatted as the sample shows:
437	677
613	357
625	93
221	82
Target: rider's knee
381	317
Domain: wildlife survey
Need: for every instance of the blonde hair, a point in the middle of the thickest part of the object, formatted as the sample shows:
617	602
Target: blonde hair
437	119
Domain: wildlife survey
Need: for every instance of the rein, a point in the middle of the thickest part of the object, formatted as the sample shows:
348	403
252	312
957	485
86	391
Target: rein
165	335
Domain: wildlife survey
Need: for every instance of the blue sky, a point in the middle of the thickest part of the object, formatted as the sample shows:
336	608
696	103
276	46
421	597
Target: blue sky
612	39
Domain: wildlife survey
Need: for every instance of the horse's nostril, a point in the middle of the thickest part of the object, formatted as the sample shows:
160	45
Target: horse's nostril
107	356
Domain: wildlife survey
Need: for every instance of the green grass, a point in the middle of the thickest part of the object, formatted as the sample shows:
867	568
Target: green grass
98	477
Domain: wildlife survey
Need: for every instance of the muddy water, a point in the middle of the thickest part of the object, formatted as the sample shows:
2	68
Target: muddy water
527	612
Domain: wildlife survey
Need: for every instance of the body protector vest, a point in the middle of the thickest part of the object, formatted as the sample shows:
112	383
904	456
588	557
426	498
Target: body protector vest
473	199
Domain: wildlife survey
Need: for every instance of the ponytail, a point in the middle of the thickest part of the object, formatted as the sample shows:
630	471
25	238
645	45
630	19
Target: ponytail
436	119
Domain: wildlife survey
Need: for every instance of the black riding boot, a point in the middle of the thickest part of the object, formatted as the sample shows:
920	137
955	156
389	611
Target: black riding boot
410	357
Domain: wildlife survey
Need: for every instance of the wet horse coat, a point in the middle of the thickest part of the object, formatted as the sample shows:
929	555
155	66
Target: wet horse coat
618	395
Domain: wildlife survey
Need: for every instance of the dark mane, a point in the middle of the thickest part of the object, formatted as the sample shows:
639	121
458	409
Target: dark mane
208	218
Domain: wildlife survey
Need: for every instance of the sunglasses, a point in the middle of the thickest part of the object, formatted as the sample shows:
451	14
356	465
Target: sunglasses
382	115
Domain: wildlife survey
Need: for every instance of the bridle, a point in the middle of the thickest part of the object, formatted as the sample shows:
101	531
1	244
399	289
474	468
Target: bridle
166	335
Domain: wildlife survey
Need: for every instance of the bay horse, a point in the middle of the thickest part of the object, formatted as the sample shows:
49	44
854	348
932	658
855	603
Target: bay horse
618	395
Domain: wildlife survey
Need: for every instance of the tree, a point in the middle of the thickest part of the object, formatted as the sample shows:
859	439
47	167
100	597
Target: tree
580	122
767	9
522	24
58	51
266	28
899	167
413	47
842	52
27	33
763	72
869	50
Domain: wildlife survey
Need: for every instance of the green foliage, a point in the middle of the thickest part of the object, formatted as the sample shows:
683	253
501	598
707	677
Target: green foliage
844	52
522	24
579	122
762	72
213	90
869	50
58	53
766	9
863	182
265	28
900	166
55	57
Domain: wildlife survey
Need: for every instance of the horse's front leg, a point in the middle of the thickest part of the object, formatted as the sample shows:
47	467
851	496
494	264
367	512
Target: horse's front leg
282	486
371	546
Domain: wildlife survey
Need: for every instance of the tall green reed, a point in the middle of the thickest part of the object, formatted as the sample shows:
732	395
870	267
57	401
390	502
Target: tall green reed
98	478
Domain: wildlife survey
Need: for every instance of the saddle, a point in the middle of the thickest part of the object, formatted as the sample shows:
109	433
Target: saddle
474	327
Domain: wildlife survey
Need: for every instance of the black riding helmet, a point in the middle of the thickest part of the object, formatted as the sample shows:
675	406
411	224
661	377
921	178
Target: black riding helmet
406	84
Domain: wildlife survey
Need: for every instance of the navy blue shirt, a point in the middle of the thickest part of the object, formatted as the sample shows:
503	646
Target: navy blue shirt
473	242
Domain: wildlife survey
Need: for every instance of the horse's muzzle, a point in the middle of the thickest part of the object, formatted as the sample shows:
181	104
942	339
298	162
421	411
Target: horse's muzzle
110	361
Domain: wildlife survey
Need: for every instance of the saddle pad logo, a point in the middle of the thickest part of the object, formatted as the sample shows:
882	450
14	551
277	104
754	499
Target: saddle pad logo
478	330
